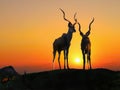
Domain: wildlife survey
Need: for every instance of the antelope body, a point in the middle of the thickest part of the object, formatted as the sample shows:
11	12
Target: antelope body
63	43
86	45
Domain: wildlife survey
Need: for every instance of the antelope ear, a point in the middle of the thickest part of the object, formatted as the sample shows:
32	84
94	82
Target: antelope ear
81	34
87	33
70	24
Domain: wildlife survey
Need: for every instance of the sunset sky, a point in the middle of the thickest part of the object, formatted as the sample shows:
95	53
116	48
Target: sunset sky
29	27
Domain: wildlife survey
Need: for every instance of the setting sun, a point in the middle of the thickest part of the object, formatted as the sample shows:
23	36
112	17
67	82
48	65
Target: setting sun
77	60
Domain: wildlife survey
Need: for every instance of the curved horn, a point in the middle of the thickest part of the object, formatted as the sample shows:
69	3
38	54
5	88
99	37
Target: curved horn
64	16
77	22
91	23
79	27
81	33
75	19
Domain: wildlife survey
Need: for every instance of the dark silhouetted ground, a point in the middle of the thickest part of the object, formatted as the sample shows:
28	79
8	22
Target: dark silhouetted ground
73	79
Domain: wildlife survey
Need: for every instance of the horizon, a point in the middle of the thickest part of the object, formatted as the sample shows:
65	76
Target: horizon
28	29
21	73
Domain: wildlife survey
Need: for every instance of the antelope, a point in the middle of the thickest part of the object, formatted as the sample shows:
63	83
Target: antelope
86	45
63	43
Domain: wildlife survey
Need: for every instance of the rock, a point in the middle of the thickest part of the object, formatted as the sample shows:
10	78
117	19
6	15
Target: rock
9	70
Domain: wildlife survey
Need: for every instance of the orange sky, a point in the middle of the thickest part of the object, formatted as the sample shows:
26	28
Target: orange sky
29	27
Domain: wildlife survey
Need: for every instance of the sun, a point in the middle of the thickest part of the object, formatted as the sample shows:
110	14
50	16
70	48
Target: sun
77	60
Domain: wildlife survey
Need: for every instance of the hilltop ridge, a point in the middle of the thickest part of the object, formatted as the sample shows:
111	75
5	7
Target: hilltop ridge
96	79
72	79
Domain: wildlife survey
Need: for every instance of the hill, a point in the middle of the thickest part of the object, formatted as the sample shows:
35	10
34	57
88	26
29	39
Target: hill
73	79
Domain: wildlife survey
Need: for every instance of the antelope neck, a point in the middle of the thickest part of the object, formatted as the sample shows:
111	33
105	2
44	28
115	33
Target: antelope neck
69	35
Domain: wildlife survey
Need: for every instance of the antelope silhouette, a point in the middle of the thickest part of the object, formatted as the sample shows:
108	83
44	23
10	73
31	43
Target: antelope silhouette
63	43
86	45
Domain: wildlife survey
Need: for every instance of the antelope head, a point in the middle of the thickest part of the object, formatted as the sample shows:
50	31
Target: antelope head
88	32
70	25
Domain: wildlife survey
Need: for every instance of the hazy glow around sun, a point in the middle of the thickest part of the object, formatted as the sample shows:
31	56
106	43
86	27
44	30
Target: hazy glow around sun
77	60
